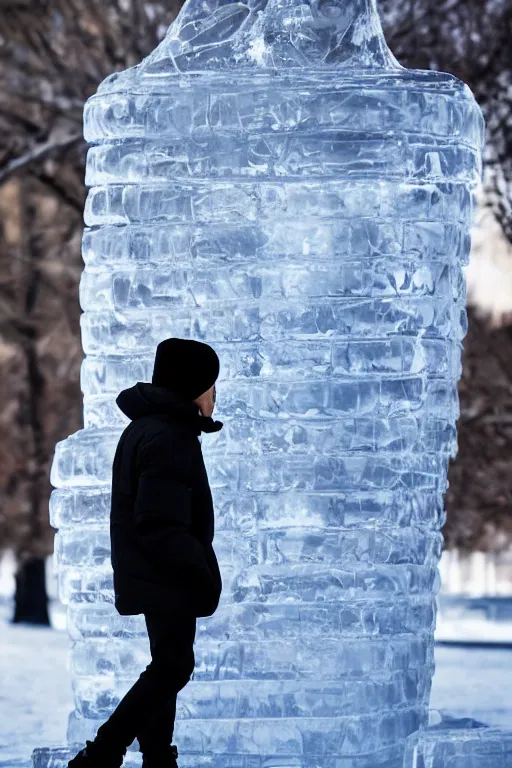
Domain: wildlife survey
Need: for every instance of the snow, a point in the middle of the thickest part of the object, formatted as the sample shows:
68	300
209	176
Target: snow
36	696
484	620
474	682
474	631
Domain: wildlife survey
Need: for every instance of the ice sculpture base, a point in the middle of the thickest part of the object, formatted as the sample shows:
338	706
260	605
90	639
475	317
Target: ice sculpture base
58	757
445	734
459	748
80	729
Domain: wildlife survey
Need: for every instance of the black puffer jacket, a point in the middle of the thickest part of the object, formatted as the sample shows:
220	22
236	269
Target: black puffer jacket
162	520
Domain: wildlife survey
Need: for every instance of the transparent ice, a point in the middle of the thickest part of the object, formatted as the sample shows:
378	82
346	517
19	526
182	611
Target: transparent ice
270	180
467	748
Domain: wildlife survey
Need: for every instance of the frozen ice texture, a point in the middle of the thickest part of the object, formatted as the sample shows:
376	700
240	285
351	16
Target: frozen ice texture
271	181
454	748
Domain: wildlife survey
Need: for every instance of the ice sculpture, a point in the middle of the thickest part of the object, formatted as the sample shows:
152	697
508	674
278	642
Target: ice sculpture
270	180
470	748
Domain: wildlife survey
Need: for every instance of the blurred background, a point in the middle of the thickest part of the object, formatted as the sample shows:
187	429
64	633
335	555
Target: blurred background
53	55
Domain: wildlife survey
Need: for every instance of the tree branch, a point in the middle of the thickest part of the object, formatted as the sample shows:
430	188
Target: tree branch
36	153
8	5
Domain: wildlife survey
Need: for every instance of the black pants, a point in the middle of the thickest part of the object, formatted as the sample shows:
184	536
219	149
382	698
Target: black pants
148	709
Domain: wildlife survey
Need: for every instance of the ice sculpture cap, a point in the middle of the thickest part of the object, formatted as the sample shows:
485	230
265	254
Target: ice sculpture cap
221	35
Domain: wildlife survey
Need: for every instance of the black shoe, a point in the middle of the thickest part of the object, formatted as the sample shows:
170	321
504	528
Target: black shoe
161	759
92	756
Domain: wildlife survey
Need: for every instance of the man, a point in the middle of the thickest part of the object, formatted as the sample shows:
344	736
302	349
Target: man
161	530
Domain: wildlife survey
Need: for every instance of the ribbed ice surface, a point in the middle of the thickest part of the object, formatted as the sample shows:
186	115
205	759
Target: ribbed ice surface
470	748
271	181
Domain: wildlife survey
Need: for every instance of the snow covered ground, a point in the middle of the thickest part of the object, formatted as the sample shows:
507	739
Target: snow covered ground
35	689
36	697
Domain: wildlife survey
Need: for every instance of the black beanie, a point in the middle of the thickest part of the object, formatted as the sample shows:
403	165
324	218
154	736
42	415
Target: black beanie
185	366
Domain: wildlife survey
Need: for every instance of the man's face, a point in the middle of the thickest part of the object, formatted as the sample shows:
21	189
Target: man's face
207	401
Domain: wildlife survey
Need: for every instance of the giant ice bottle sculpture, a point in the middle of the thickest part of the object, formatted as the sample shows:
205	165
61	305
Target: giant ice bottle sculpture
270	180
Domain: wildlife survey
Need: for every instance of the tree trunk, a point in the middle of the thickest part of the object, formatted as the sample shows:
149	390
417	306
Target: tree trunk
31	599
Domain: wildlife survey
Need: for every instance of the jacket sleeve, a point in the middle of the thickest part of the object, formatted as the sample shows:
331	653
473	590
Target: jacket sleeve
162	511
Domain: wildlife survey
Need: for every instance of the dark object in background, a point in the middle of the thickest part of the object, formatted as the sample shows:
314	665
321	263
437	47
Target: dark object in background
479	497
461	723
31	599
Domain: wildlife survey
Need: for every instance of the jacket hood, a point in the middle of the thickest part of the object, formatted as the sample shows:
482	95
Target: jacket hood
145	399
